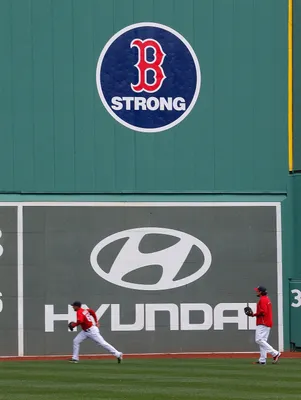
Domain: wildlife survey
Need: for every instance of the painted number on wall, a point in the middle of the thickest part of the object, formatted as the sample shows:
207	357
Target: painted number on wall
297	298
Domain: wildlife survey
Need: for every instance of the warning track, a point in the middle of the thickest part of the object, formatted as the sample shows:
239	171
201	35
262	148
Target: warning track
148	356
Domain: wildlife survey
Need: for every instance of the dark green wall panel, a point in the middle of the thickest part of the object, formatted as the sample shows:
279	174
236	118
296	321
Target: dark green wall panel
297	225
42	95
296	85
6	99
63	92
56	135
22	124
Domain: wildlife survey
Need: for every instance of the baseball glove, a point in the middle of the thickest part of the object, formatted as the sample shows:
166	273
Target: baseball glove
248	311
70	326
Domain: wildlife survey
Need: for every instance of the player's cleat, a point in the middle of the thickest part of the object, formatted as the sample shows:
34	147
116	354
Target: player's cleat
73	361
276	358
259	363
119	359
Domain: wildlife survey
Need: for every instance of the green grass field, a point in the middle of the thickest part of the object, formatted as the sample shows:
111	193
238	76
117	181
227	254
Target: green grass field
176	379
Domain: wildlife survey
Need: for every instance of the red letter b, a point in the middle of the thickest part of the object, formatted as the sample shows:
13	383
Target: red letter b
143	65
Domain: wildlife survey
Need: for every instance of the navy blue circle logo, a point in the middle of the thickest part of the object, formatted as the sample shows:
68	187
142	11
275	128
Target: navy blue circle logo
148	77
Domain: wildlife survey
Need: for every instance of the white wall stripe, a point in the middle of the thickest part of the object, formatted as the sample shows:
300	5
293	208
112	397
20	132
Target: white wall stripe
20	283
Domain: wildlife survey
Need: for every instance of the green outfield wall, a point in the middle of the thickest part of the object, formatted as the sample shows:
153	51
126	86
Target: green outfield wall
59	143
57	137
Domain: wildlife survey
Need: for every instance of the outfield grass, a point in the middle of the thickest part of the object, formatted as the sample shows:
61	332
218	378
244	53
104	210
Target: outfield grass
176	379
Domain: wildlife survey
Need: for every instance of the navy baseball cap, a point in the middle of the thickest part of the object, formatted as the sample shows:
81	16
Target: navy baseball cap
260	289
77	304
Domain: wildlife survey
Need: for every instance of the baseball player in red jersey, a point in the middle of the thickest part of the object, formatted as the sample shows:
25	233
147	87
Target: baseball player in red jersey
87	319
264	323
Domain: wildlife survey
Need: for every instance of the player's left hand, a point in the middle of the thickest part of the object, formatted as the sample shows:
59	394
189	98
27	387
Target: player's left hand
248	311
70	326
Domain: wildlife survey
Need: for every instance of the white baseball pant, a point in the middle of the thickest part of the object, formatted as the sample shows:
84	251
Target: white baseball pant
92	333
261	338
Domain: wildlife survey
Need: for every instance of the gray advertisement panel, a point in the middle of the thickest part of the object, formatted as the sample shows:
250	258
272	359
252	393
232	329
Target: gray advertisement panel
161	278
8	282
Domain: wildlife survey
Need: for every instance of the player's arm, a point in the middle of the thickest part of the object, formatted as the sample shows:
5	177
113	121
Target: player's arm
80	320
92	312
262	309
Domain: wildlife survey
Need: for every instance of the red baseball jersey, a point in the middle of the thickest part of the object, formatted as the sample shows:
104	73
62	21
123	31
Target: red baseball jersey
85	318
264	312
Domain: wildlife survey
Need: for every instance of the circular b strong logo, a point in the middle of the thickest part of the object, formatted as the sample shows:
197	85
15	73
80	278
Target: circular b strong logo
148	77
